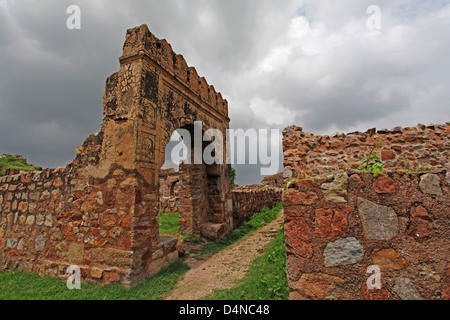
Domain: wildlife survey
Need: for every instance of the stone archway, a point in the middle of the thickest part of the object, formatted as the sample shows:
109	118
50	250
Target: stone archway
153	94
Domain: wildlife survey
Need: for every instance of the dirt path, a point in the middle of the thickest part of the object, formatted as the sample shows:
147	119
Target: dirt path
222	270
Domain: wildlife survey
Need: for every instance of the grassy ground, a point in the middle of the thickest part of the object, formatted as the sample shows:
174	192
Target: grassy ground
265	279
8	161
168	224
24	286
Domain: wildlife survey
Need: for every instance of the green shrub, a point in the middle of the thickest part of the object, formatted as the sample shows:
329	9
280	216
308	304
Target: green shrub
8	161
372	162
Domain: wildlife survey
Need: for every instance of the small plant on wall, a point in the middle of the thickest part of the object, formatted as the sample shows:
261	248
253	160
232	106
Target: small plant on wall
233	176
372	163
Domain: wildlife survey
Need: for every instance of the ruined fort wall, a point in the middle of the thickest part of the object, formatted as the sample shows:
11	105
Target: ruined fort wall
60	217
275	180
169	190
309	155
336	229
250	199
339	221
103	217
246	200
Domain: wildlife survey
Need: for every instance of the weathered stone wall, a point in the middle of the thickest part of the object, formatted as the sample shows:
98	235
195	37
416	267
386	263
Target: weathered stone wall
169	181
101	211
275	180
252	198
178	190
336	228
309	155
58	217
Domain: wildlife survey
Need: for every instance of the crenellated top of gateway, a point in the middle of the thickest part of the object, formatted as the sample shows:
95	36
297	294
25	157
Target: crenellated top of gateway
140	40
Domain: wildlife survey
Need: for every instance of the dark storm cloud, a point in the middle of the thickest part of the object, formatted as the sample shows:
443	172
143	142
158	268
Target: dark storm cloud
310	63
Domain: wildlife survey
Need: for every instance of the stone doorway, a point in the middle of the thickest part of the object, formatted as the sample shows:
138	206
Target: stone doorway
153	94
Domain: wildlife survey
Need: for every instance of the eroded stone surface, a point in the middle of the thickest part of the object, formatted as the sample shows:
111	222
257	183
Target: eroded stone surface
331	222
379	222
40	242
375	294
421	223
385	184
76	253
298	238
406	290
320	286
295	197
342	252
430	184
336	191
389	260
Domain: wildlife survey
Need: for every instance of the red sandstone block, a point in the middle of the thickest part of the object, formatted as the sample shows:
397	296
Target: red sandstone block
100	242
109	221
96	273
23	206
388	155
292	197
80	194
92	195
111	277
385	184
12	253
26	177
110	197
6	207
298	238
34	196
42	206
126	222
421	223
95	231
375	294
56	195
67	232
126	243
389	260
357	179
331	222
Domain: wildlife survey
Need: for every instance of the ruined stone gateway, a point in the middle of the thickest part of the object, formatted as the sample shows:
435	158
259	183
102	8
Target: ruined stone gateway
101	211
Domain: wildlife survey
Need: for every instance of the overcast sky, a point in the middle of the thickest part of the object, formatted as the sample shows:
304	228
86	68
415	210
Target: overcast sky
312	63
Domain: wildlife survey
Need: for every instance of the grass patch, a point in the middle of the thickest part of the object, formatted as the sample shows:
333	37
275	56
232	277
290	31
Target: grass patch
26	286
8	161
265	279
255	222
169	223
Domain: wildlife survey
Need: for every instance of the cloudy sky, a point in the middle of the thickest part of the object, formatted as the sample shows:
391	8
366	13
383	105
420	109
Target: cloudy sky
312	63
